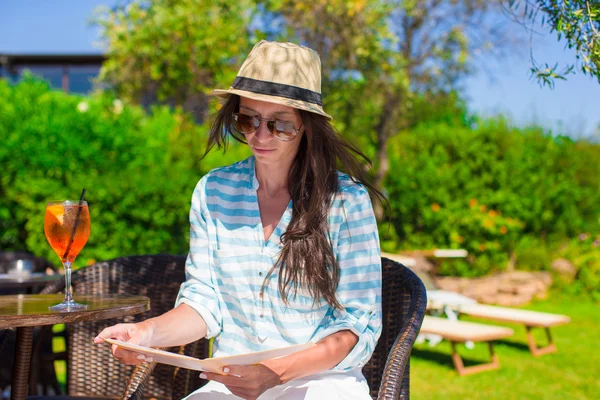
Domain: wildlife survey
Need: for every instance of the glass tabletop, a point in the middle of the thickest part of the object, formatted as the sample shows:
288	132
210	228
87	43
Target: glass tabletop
32	309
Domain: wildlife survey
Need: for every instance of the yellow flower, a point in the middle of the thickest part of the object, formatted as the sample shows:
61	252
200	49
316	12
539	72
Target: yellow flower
503	230
435	207
492	213
482	247
473	203
483	208
460	239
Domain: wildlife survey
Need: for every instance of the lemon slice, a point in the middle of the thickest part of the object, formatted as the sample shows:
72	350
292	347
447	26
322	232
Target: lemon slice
58	211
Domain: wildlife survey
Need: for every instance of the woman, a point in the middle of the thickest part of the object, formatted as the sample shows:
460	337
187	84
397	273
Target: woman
284	248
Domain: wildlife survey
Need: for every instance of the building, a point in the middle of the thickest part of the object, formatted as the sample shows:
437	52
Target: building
73	73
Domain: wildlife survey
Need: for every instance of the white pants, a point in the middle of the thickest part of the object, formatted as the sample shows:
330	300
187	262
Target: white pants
327	385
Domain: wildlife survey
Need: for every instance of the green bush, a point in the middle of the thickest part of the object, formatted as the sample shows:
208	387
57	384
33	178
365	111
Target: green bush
139	170
584	253
502	193
484	188
532	254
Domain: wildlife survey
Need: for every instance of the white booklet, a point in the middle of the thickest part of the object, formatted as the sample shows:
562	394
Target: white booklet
209	364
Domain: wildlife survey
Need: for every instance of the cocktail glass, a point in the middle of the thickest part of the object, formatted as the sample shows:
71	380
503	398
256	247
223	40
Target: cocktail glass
67	229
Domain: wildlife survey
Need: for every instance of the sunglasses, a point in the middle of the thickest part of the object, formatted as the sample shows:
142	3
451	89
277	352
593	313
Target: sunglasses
282	130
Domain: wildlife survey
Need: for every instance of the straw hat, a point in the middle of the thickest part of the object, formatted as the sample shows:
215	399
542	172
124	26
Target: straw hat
281	73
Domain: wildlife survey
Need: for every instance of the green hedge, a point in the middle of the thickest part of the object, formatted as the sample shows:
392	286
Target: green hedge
139	170
456	182
495	190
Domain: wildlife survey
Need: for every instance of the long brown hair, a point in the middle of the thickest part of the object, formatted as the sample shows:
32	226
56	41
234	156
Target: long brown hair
307	258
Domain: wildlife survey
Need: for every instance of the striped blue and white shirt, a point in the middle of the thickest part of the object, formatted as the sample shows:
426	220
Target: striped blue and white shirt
229	260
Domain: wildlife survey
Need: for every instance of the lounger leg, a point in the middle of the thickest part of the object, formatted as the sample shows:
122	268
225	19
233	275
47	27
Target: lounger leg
533	347
473	369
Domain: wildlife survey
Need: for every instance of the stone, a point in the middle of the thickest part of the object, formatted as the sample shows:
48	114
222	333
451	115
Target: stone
522	299
480	287
423	264
506	288
489	299
545	277
540	286
564	269
452	284
510	289
529	288
509	300
519	276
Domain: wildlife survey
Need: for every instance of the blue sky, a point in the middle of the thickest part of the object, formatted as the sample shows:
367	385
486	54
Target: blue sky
502	87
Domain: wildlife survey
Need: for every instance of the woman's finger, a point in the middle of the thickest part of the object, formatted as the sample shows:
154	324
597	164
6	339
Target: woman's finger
127	357
119	331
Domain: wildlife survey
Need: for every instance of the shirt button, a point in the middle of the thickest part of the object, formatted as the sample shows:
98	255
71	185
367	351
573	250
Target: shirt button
260	273
262	315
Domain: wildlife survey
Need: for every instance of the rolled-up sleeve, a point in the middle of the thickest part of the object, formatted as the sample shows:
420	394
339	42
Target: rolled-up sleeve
359	290
198	290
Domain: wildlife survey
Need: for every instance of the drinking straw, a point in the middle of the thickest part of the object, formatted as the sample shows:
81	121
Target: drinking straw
75	224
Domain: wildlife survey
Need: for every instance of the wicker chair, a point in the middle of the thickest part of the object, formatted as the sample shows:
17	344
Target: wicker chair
388	371
404	301
91	369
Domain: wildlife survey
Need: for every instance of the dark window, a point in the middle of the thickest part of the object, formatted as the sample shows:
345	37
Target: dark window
81	78
50	73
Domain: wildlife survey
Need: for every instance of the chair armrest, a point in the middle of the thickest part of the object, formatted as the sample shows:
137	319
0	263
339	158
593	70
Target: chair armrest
396	373
136	386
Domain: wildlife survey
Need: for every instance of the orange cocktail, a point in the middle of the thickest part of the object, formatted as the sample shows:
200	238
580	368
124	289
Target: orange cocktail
67	229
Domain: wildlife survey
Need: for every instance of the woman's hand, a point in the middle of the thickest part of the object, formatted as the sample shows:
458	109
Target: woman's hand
246	381
178	326
139	333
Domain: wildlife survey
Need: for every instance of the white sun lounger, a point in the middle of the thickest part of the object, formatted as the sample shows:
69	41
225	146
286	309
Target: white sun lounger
461	332
530	319
452	304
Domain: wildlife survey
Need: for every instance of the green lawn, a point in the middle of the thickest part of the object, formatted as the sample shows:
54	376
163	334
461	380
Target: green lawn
572	373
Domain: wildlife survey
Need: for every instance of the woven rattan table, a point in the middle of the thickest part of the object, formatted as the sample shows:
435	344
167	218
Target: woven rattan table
26	311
